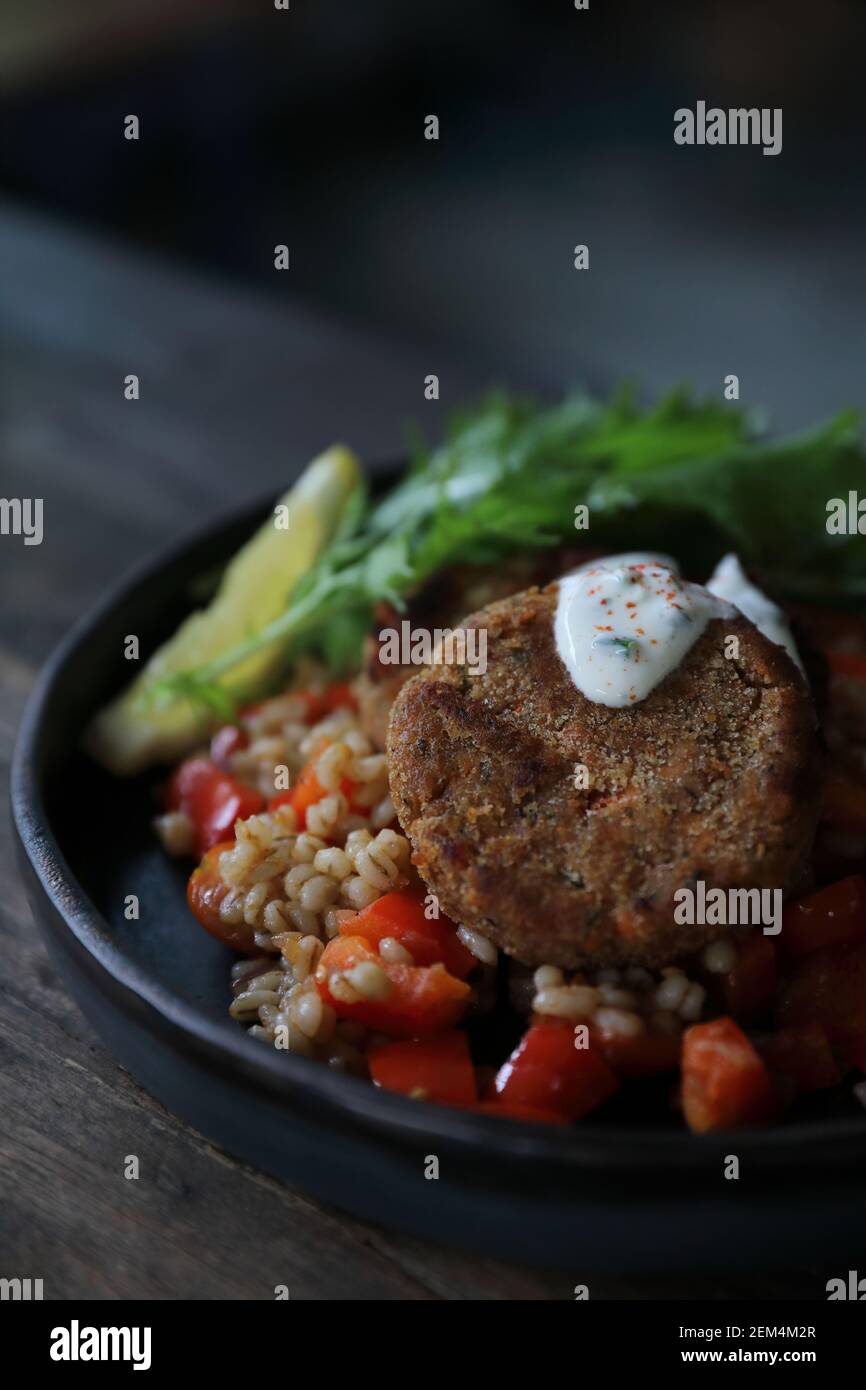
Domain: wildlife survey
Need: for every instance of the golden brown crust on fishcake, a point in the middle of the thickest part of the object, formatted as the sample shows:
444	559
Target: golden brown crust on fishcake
441	603
714	776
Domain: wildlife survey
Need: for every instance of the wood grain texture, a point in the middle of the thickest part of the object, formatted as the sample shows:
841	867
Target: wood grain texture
234	395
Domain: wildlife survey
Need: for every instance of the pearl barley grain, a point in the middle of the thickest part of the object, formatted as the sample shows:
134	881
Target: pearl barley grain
369	980
479	945
619	1023
391	950
547	977
692	1003
574	1002
719	957
671	992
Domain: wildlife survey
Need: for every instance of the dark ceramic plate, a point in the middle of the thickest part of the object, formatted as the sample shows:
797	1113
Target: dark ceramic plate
628	1191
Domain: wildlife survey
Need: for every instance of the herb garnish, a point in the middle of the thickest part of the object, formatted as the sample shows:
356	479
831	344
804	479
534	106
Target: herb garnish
681	475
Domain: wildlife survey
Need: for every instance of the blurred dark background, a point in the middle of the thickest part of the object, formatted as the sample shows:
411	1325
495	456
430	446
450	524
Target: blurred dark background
306	127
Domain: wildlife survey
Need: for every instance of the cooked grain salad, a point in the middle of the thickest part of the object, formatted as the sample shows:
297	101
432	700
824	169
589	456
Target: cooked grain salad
303	866
616	853
346	957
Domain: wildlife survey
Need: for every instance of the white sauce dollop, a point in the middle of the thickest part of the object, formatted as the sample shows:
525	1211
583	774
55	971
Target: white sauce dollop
625	622
730	582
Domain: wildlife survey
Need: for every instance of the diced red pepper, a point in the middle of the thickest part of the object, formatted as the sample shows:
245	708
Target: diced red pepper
304	794
725	1083
212	799
308	790
749	989
428	940
829	987
205	892
440	1067
804	1053
548	1072
339	695
226	741
831	917
530	1113
421	999
648	1054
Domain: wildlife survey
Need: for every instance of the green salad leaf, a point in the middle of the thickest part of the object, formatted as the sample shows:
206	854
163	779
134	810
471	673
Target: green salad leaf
765	500
689	477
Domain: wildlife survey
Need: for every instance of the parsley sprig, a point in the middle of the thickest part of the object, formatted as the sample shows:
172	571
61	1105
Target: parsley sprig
682	476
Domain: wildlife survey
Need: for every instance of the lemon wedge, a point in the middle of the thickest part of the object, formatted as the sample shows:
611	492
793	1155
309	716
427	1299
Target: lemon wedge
138	729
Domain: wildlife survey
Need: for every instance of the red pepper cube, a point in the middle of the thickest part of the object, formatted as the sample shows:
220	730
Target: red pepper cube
725	1082
549	1072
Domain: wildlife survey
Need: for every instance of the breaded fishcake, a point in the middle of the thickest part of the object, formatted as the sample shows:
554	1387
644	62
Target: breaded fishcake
714	776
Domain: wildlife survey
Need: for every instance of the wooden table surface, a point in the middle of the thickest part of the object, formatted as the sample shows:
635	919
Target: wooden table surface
234	395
